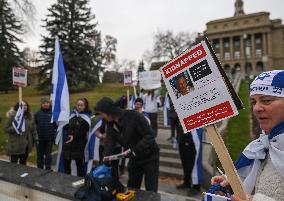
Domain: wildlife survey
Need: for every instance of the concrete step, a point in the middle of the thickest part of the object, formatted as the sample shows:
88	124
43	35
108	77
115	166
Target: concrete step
171	172
166	146
170	153
161	126
170	162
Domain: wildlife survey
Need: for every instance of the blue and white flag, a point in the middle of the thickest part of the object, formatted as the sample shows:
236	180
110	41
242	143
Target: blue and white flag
167	110
19	120
197	172
92	147
131	104
213	197
59	93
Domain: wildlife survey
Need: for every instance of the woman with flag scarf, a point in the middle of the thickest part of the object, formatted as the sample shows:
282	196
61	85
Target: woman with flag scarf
21	128
261	164
77	136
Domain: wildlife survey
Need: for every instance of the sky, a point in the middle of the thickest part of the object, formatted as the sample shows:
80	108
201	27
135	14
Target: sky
134	22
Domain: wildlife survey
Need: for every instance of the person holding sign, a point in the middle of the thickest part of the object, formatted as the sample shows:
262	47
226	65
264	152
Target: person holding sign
261	164
22	136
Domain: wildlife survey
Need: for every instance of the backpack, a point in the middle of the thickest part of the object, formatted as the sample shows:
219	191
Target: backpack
100	185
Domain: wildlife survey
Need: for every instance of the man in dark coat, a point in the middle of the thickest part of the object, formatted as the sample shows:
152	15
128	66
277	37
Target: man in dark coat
46	132
132	131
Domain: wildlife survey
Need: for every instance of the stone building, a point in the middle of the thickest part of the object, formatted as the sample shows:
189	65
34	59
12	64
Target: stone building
250	43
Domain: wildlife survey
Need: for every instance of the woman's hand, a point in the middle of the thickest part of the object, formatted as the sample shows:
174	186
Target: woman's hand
220	180
70	139
236	198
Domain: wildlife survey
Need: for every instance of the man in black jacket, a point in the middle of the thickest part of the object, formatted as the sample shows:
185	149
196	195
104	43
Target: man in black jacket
132	131
46	132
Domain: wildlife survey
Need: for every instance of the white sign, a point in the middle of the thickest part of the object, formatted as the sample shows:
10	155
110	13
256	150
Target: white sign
150	79
20	77
127	78
197	89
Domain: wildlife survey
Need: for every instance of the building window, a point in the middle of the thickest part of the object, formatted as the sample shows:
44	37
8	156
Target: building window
227	55
237	55
225	25
215	27
237	43
257	20
218	55
226	44
246	22
258	52
236	23
258	41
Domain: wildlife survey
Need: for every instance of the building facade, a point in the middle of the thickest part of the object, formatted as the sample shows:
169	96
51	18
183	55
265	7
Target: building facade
250	43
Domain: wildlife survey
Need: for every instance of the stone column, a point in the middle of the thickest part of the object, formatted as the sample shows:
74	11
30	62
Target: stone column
221	49
231	48
252	46
264	44
242	54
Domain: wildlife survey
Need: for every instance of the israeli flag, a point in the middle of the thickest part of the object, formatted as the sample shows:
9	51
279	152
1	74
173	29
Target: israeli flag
167	110
131	104
19	120
59	93
92	147
197	172
213	197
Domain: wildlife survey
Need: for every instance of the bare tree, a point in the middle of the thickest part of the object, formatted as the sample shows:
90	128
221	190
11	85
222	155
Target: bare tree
25	9
167	45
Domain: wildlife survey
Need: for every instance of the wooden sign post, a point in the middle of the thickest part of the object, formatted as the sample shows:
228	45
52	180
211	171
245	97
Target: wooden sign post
226	161
202	96
127	82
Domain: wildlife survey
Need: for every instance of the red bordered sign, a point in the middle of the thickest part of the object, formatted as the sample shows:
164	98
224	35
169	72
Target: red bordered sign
20	76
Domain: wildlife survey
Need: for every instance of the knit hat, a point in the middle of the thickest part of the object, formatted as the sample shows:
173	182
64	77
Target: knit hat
269	83
106	105
44	100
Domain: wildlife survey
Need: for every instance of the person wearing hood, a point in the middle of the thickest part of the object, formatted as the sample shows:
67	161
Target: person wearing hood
261	164
77	136
46	134
20	144
130	129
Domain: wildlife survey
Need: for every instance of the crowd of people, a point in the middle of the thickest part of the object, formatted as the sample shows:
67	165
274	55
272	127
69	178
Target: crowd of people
260	164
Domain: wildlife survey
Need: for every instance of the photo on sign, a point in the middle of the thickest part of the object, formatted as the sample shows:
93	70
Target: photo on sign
181	84
200	70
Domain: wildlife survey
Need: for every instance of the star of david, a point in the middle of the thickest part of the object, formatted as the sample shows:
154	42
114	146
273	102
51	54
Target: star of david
262	76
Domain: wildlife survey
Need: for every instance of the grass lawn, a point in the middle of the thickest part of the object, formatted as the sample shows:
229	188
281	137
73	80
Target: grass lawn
32	96
237	135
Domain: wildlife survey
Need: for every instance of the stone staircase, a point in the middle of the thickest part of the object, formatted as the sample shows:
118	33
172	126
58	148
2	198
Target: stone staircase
170	164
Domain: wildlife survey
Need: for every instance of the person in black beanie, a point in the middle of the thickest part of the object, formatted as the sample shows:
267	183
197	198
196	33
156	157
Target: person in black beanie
132	131
46	133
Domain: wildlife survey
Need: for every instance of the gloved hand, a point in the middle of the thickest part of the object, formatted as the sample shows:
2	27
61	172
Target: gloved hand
130	154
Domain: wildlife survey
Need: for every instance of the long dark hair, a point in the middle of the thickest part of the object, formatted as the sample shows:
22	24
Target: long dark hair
28	113
86	103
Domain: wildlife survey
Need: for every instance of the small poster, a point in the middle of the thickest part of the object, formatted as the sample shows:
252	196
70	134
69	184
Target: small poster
20	77
150	79
127	78
197	88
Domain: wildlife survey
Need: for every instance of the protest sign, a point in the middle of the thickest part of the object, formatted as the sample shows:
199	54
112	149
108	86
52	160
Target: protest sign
197	88
20	77
150	79
202	95
127	78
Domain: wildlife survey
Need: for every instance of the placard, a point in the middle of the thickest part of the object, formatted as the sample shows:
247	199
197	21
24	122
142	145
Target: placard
197	88
20	77
150	79
127	78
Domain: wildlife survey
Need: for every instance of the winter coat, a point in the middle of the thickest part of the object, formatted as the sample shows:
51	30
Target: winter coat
78	128
134	132
17	144
45	130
